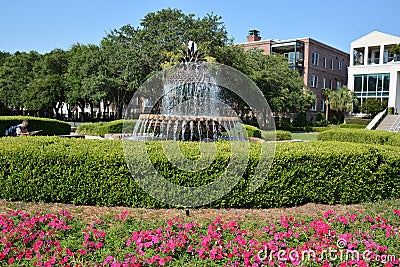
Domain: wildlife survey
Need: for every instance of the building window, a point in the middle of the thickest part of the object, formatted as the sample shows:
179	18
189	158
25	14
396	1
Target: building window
315	58
338	85
314	81
314	106
339	65
371	86
323	83
292	57
331	63
324	62
331	84
322	105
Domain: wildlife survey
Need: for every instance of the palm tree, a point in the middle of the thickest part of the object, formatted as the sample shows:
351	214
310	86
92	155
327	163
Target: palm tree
340	100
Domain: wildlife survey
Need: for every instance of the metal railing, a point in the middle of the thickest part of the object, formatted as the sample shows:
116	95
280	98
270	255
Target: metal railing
395	126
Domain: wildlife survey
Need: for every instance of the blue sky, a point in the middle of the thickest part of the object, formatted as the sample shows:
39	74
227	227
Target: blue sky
43	25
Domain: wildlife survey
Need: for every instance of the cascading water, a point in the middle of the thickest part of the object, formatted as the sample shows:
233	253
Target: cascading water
190	108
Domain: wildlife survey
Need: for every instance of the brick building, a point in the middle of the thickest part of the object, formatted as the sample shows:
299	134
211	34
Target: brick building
322	66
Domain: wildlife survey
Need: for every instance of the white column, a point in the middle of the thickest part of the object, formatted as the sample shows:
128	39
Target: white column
381	50
366	55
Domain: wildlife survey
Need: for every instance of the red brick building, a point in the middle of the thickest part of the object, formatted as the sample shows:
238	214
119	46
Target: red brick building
322	66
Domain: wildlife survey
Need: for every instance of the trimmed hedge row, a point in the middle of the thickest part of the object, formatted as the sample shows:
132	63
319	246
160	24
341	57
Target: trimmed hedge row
359	121
361	136
103	128
48	126
93	172
352	126
306	128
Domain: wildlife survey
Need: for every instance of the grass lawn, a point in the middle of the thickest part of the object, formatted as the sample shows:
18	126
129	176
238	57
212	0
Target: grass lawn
305	136
68	235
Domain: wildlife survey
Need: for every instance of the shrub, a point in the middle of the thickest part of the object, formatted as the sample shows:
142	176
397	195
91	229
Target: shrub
252	131
352	126
93	172
90	128
359	121
103	128
278	135
361	136
48	126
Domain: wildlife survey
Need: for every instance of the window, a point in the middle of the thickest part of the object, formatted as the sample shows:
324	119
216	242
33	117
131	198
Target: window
315	58
338	85
323	83
314	106
322	105
331	63
324	62
371	86
330	84
339	65
292	57
314	81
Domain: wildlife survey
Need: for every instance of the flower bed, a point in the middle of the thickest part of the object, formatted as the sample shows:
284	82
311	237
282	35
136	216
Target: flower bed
351	239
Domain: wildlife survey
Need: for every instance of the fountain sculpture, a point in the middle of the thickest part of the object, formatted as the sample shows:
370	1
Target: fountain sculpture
190	108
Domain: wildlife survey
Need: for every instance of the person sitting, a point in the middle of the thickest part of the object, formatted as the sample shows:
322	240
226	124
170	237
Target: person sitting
18	130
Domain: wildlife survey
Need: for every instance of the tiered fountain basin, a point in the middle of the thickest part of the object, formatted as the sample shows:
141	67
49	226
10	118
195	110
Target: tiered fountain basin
189	128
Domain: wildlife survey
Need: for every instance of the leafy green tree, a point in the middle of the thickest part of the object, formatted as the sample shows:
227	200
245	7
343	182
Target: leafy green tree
16	73
82	75
47	90
395	49
283	87
373	106
131	54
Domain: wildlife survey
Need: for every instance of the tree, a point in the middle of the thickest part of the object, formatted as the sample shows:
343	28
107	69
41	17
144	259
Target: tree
395	49
47	90
15	75
282	87
85	86
131	54
340	100
373	106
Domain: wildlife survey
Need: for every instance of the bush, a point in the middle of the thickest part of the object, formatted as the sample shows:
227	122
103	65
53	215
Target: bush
94	172
278	135
359	121
90	128
103	128
352	126
361	136
252	131
48	126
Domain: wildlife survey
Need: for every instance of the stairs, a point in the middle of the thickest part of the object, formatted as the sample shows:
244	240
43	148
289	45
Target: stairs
389	123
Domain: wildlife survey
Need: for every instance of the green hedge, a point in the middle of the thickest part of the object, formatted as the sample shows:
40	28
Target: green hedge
103	128
48	126
361	136
93	172
252	131
279	135
306	128
359	121
352	126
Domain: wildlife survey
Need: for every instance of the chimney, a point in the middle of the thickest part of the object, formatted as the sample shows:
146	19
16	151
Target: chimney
253	36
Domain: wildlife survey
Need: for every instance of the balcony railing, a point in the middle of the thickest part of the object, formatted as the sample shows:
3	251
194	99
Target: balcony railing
373	61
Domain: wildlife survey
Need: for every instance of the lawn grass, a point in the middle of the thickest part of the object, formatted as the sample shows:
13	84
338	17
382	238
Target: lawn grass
305	136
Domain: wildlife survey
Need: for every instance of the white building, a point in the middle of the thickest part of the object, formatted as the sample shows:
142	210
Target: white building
374	72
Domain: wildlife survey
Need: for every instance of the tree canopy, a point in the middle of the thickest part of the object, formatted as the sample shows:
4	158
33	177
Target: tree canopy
113	70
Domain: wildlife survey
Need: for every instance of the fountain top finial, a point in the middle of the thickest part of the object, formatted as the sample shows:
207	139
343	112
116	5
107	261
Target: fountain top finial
191	55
